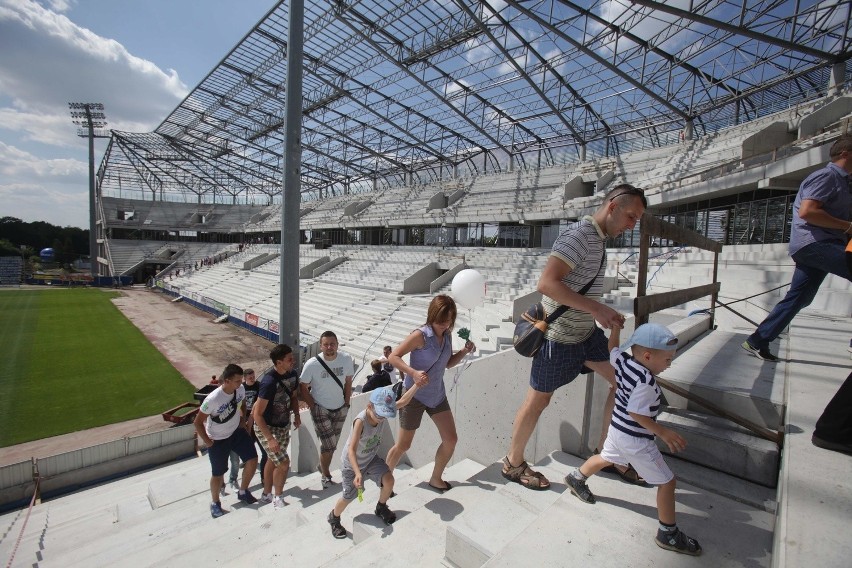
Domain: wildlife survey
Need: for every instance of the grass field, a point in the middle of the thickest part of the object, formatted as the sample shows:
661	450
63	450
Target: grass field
70	360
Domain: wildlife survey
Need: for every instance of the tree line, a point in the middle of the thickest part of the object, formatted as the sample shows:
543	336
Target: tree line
28	239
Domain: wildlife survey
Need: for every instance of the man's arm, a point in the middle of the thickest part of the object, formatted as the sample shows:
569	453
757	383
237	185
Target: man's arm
257	411
811	211
294	408
551	285
306	395
347	390
199	421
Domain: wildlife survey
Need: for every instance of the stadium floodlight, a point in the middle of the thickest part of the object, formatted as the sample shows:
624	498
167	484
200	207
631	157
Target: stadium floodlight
90	116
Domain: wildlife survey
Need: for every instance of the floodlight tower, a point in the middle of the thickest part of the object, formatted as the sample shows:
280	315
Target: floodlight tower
90	116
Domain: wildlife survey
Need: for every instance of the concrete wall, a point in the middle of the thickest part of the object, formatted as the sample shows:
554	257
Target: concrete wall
71	470
767	139
329	265
307	271
484	398
420	282
820	118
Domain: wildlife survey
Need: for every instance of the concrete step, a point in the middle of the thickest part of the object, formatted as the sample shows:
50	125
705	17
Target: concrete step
722	445
716	368
618	530
423	523
484	528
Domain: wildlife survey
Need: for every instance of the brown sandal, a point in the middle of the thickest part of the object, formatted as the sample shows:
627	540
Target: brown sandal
524	475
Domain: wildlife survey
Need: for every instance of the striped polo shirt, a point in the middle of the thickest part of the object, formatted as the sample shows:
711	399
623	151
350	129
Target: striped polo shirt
636	392
582	248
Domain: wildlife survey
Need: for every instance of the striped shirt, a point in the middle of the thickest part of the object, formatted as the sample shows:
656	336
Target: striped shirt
636	392
582	248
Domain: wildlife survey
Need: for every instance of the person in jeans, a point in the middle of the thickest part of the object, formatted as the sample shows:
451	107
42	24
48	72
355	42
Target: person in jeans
821	228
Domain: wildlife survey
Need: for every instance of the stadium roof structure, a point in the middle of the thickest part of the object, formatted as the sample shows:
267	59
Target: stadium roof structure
404	91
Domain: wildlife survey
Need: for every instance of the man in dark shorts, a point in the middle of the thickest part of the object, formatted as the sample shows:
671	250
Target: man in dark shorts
573	340
220	423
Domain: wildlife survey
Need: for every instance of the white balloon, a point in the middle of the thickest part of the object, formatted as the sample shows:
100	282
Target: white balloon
468	288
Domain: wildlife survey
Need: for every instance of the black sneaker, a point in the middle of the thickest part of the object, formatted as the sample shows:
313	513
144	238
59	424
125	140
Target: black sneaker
762	353
385	514
247	497
845	448
678	541
337	530
580	489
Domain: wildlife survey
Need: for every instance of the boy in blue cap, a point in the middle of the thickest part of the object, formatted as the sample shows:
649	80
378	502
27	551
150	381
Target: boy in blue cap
631	434
361	460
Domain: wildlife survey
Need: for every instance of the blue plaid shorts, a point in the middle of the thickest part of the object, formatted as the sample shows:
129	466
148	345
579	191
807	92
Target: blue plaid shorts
557	364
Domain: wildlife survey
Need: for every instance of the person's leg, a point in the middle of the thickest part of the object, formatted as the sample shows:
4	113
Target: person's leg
525	422
340	506
279	476
325	463
447	430
593	465
216	483
248	474
666	502
813	263
235	467
605	370
268	477
387	487
403	443
834	427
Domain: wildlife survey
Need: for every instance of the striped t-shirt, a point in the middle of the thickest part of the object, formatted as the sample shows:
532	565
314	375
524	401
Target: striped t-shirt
582	248
636	392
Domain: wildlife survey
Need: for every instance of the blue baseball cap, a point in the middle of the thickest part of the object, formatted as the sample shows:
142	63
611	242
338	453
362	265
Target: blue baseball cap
652	336
384	402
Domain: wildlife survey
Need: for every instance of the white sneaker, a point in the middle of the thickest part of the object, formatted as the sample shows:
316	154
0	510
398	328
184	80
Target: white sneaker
326	481
222	491
235	486
265	498
278	502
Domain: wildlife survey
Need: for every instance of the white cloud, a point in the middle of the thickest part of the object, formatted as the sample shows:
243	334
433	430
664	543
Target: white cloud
46	61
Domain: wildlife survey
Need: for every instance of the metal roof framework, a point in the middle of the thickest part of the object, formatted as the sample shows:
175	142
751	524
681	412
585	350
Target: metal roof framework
412	91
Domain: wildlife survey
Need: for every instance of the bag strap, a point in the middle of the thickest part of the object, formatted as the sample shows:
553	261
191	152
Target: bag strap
220	419
330	372
562	309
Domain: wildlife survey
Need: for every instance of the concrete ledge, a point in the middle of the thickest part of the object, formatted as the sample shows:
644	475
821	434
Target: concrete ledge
719	370
720	444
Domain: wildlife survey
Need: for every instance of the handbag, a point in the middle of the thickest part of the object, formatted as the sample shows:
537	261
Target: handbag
532	325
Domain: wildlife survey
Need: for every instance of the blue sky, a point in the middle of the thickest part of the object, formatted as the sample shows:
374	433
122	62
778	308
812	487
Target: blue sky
139	58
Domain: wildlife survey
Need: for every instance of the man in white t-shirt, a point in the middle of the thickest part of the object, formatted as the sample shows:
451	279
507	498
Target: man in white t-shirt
220	424
326	387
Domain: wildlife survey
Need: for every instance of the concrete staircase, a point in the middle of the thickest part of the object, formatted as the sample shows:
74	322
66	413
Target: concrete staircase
161	518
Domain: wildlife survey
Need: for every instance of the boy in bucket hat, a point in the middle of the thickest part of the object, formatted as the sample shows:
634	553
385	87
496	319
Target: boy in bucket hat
630	439
361	460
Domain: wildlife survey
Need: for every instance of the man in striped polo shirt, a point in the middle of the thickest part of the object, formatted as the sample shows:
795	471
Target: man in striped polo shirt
573	340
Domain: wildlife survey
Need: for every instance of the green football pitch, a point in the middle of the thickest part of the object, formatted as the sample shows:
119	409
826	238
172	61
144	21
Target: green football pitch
70	360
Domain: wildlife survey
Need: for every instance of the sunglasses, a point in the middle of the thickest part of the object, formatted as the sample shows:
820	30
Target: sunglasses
630	190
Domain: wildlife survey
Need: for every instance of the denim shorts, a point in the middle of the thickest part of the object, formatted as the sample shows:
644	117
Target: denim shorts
557	364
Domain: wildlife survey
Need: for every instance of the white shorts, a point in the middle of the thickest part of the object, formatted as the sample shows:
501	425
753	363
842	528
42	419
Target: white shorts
642	453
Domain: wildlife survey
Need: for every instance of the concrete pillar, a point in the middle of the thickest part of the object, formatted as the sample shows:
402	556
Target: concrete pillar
688	130
836	78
